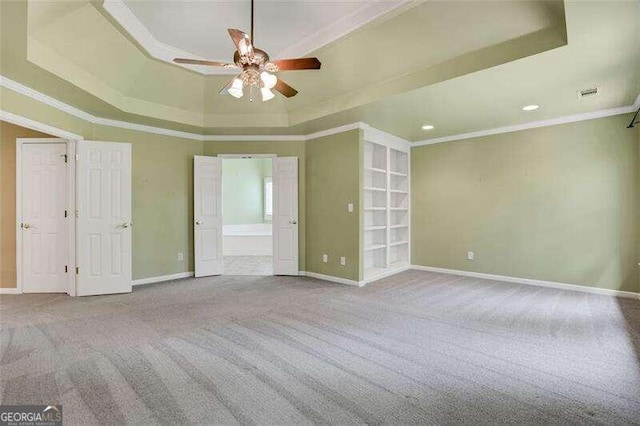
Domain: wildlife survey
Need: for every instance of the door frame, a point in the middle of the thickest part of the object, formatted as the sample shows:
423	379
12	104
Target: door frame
248	157
273	157
71	209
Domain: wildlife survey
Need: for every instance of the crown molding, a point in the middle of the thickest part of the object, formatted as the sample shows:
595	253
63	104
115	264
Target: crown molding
45	99
374	135
370	132
61	106
251	138
154	47
363	15
535	124
360	17
335	130
36	125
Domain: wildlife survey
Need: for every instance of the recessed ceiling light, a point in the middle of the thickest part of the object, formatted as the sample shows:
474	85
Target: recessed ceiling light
530	107
427	127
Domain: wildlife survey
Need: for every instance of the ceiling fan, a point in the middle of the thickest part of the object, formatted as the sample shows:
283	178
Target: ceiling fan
257	68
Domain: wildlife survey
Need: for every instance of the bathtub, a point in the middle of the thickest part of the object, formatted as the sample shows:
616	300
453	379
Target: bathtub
247	240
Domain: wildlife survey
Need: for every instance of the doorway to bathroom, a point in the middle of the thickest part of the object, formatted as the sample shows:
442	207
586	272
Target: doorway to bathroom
247	215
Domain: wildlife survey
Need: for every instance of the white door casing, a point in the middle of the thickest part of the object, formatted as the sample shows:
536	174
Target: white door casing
285	216
103	218
207	212
44	228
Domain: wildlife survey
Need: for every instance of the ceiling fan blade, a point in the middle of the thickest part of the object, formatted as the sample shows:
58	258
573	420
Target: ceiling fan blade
200	62
285	89
241	40
298	64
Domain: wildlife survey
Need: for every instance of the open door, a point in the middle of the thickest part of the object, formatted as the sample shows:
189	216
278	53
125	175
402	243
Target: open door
285	216
103	203
207	212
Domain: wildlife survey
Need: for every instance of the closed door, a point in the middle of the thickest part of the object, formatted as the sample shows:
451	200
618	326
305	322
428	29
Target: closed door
103	218
285	216
44	225
207	212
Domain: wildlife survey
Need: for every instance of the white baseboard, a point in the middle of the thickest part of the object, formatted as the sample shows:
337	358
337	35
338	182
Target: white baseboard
162	278
10	291
332	279
387	273
528	281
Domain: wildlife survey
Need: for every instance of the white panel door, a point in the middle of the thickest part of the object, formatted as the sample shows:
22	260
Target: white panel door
104	218
207	212
285	216
44	225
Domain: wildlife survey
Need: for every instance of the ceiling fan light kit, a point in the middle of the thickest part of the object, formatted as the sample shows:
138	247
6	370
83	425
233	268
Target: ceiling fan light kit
257	68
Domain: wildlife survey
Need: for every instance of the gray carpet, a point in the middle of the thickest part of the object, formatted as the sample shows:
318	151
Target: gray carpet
418	347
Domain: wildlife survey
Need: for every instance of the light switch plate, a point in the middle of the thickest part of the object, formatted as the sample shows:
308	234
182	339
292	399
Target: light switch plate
343	261
350	207
470	255
325	258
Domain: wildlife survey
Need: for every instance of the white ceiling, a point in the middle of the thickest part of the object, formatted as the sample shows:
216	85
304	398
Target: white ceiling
198	28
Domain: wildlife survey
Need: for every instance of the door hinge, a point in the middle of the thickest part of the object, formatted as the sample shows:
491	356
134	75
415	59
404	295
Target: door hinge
77	270
77	157
66	269
64	156
65	213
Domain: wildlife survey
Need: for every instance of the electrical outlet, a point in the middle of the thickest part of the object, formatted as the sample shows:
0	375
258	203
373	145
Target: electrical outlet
470	255
343	261
180	256
325	258
350	207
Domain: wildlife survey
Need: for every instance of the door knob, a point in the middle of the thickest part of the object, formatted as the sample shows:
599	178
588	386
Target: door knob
25	226
293	221
126	224
199	222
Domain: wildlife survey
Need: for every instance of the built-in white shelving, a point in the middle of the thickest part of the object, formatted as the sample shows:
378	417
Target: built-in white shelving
386	205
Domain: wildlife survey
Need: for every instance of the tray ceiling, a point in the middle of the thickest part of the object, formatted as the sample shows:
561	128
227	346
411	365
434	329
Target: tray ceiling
198	29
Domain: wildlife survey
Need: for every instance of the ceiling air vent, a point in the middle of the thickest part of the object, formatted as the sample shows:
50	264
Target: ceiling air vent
587	93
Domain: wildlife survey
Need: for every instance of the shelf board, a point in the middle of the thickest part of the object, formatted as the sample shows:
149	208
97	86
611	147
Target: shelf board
398	191
375	169
398	174
398	208
374	228
398	226
375	208
370	188
375	247
398	264
398	243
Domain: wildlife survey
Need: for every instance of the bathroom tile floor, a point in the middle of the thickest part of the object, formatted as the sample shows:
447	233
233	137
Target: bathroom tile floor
248	265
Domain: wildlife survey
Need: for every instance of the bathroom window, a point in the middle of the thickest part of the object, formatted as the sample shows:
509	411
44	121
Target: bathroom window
268	199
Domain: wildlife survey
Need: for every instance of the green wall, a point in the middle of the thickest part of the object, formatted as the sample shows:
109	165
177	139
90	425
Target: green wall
334	173
557	203
243	189
162	194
